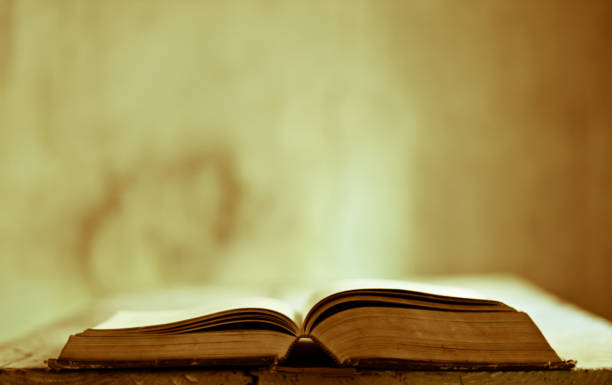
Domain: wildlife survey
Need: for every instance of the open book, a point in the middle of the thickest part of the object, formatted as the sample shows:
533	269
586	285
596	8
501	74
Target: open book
367	324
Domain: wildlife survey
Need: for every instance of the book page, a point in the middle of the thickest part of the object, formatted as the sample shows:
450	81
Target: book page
356	284
208	306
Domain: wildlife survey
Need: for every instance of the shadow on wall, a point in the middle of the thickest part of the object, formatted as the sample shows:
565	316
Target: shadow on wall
173	213
181	143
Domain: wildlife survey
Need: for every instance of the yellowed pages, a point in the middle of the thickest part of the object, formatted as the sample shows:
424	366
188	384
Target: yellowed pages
356	284
209	306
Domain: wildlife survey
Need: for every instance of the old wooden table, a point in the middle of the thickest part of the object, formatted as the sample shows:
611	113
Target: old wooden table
573	333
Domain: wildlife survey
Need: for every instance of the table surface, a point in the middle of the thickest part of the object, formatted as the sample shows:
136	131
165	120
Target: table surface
573	333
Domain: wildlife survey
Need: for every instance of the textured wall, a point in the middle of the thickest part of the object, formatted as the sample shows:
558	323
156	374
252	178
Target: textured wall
154	143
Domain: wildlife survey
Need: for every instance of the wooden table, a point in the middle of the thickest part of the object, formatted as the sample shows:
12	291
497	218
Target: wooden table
573	333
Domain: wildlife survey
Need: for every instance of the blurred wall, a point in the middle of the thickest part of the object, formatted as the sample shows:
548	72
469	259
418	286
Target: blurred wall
145	144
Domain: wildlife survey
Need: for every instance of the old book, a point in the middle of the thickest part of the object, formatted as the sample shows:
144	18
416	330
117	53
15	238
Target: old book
364	324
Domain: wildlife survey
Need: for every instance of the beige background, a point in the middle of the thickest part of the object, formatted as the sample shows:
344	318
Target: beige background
147	144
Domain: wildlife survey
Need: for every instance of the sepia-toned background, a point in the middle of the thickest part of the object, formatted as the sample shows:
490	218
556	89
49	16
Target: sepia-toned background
146	144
